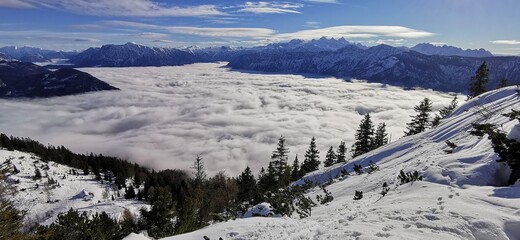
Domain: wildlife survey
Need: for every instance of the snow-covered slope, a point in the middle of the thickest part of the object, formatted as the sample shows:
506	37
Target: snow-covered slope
460	197
43	201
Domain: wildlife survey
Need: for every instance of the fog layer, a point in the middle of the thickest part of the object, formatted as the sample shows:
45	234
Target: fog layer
164	116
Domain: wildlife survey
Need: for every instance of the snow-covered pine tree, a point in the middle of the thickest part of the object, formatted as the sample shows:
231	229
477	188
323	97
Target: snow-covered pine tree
364	137
421	121
330	158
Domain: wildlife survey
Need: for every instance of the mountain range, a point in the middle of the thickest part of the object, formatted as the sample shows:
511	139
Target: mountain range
444	68
384	64
131	54
22	79
31	54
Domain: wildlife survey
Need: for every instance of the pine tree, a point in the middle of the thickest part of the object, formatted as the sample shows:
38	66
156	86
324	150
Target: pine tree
279	159
247	187
330	158
11	219
37	173
158	221
421	121
312	158
381	137
503	83
198	170
364	137
341	156
295	172
130	193
445	111
478	82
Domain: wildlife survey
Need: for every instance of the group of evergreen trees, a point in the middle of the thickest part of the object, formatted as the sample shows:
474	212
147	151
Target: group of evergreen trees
368	139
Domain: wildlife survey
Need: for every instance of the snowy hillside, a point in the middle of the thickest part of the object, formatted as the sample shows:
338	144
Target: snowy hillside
460	197
44	200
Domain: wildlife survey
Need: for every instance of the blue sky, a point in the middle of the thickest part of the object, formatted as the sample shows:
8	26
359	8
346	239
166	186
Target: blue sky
79	24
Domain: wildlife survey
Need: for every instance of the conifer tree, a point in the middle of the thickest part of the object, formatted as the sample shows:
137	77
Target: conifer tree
341	155
503	83
130	193
330	158
158	221
445	111
478	82
295	172
364	137
279	163
381	137
247	187
421	121
312	158
198	170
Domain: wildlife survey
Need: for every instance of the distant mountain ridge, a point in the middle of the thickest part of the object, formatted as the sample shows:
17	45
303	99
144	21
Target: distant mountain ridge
22	79
384	64
31	54
131	54
443	68
445	50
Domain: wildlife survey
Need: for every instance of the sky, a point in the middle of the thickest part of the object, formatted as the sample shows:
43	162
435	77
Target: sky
79	24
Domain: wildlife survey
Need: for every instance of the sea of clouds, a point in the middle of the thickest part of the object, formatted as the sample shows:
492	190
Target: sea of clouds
164	116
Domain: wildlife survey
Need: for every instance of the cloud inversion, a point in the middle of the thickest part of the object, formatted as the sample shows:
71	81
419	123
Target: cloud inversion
164	116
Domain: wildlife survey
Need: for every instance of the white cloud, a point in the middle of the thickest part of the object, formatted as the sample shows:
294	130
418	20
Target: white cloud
438	43
506	42
224	32
151	35
322	1
200	31
164	41
15	4
270	35
164	116
269	7
388	41
356	32
312	24
138	8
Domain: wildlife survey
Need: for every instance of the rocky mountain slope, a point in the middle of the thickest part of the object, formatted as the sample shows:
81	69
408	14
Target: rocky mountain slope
445	50
131	54
384	64
31	54
23	79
